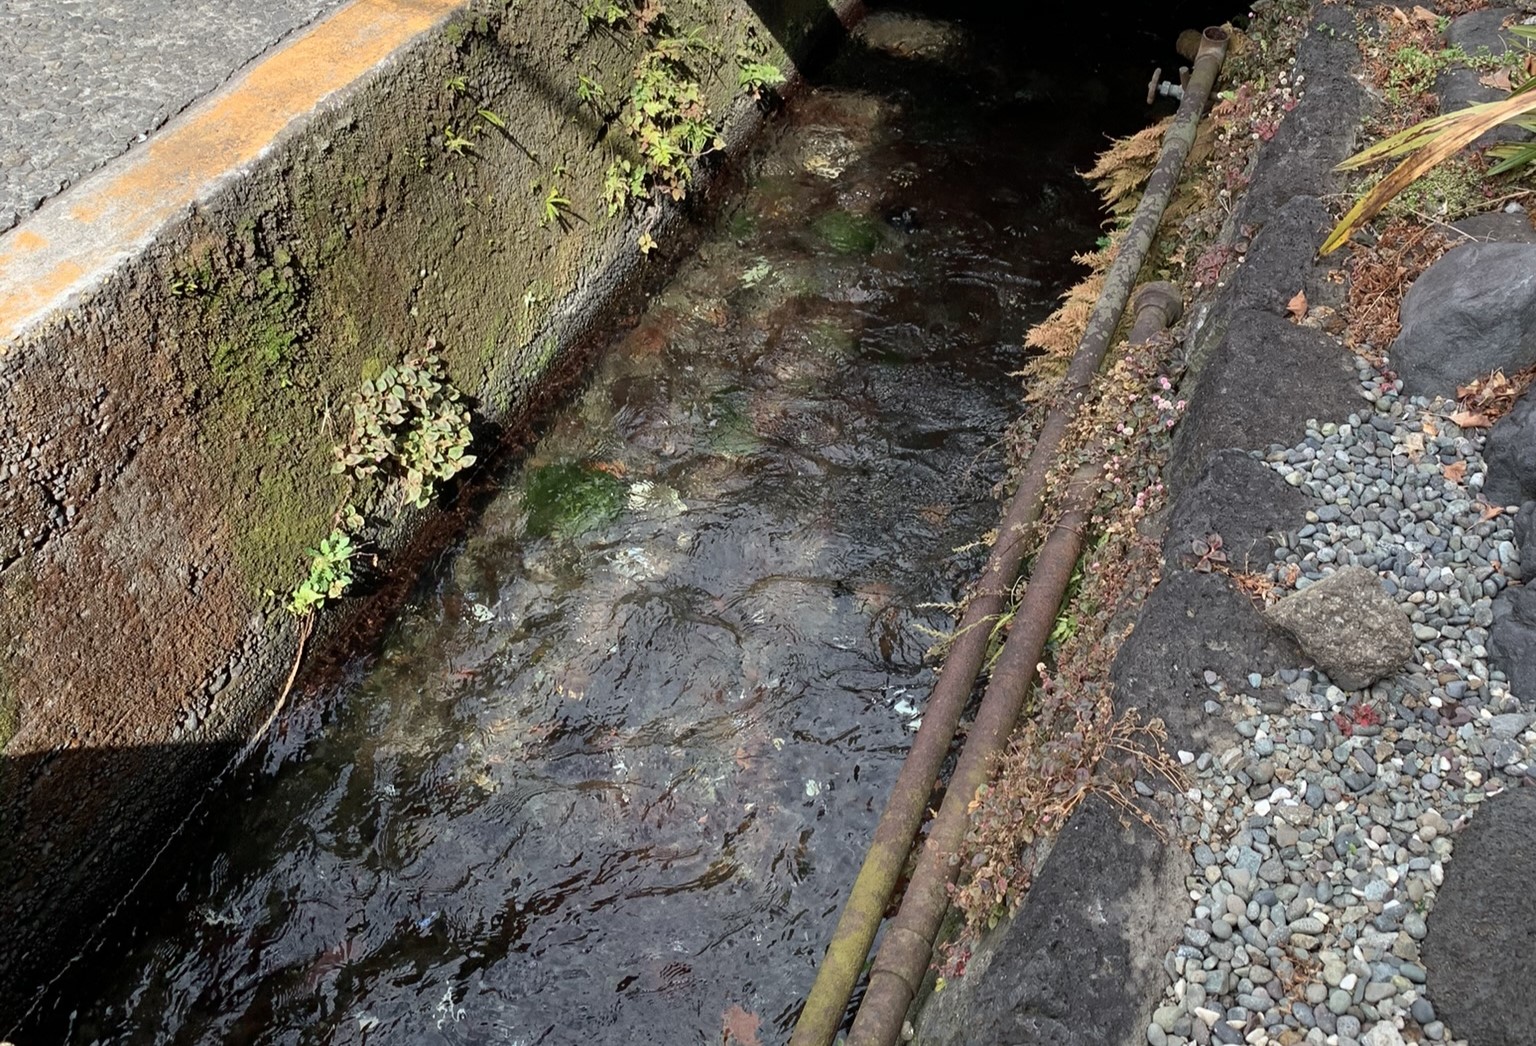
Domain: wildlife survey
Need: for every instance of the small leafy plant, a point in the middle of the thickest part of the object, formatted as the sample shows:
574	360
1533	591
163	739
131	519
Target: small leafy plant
603	12
456	143
191	285
755	75
408	423
1208	553
1430	143
330	574
556	206
667	121
590	91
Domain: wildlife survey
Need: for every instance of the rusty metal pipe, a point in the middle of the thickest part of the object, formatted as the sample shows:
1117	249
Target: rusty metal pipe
1156	306
902	960
822	1014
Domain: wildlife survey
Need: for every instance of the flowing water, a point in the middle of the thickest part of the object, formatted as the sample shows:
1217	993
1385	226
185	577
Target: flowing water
614	766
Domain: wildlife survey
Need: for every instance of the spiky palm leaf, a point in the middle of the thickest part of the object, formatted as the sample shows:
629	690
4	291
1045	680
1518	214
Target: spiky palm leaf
1426	145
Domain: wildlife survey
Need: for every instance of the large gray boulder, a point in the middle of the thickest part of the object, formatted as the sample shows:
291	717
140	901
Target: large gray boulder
1511	456
1470	313
1512	640
1478	951
1499	226
1349	626
1477	33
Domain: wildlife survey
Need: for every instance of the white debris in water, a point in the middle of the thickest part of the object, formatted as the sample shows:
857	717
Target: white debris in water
655	498
755	275
812	788
634	564
447	1011
481	613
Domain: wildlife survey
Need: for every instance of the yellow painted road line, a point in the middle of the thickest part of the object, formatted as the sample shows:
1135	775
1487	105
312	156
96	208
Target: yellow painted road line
78	238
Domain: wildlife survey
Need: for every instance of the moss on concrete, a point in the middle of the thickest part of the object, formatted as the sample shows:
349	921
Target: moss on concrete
8	711
17	592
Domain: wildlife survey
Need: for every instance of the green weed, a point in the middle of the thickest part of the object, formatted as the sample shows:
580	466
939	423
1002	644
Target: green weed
330	574
410	424
569	499
668	123
456	143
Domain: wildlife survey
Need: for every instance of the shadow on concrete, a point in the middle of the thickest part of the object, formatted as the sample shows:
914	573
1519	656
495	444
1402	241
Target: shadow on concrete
86	815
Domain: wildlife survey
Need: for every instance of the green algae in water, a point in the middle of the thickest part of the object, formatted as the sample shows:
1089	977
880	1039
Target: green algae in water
741	224
831	340
847	233
731	434
569	499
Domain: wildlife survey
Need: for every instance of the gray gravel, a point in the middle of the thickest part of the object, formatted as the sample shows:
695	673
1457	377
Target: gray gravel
1320	840
82	80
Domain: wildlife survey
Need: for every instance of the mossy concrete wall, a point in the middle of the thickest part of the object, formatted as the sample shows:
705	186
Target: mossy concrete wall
166	438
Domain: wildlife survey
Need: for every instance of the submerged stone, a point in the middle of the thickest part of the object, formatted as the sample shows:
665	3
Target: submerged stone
569	499
848	233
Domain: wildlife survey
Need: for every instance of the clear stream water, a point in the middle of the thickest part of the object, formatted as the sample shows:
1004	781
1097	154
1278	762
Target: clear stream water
615	763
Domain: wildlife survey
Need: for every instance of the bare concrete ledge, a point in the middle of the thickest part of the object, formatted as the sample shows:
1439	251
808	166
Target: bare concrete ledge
179	333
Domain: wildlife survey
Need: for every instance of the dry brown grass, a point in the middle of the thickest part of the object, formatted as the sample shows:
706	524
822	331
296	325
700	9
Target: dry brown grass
1380	274
1121	170
1074	743
1118	175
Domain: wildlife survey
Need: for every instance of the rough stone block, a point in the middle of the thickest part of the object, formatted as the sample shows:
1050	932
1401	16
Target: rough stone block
1470	313
1265	380
1512	640
1477	952
1349	626
1241	499
1511	456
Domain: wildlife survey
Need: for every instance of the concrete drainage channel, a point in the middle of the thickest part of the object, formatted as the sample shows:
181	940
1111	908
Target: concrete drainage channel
176	380
185	333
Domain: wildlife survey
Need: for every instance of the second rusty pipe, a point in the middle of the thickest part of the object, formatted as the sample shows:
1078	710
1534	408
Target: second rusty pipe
903	957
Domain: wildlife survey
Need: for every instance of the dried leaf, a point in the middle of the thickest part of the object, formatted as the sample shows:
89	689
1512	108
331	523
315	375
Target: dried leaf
740	1026
1499	80
1413	443
1468	419
1492	395
1426	16
1489	511
1456	471
1429	427
1297	306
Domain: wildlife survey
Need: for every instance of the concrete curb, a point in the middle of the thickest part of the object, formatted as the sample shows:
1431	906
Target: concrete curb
74	245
